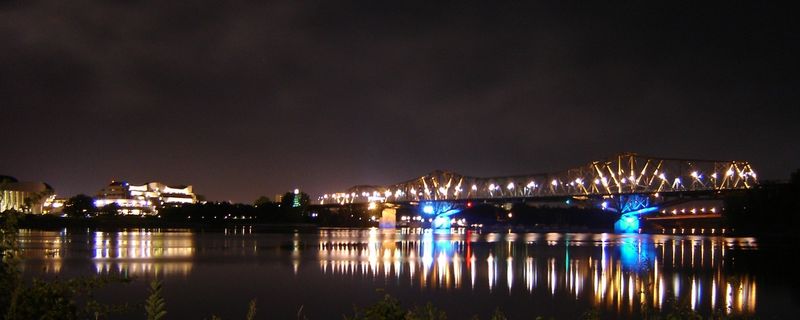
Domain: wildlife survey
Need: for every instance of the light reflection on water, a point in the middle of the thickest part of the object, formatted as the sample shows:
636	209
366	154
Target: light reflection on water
135	252
612	272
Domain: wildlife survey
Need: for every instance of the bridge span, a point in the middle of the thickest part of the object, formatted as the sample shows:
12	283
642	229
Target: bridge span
629	184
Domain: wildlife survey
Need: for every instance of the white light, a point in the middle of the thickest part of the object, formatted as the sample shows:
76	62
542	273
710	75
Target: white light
491	187
296	191
510	186
714	175
729	173
554	182
662	176
531	185
474	187
694	174
372	206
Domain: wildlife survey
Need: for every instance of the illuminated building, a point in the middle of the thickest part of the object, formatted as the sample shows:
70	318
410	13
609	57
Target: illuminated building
23	196
54	205
145	198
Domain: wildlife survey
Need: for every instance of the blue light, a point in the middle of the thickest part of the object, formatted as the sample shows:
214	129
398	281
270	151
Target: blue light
441	222
642	211
628	254
441	212
627	224
635	253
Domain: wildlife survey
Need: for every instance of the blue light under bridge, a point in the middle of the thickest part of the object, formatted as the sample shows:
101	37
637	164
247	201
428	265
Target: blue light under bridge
440	211
632	207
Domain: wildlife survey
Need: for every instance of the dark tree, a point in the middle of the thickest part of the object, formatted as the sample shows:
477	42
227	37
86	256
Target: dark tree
111	209
262	201
79	206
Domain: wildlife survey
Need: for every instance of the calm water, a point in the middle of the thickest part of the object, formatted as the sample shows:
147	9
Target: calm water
323	274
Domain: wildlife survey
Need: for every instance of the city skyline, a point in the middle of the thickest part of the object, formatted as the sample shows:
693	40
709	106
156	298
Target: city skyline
258	99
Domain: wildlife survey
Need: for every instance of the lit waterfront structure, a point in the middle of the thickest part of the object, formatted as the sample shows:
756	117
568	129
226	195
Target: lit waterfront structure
54	205
628	183
145	198
627	173
23	196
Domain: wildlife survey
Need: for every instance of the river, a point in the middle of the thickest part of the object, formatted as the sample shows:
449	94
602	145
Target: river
323	274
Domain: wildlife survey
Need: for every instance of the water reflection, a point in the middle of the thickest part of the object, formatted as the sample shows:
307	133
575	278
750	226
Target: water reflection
143	252
612	271
133	252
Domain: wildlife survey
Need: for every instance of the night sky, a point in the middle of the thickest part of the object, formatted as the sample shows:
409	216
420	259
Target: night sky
242	99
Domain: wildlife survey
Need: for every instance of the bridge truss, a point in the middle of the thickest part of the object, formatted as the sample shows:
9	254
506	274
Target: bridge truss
627	173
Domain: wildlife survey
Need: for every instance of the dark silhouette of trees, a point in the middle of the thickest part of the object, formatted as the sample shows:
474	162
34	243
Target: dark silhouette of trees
79	206
262	201
111	209
298	201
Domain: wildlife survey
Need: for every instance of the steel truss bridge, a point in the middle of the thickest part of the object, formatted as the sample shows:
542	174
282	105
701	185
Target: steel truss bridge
623	174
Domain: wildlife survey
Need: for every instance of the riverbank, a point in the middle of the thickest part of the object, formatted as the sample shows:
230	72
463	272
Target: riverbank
45	222
49	222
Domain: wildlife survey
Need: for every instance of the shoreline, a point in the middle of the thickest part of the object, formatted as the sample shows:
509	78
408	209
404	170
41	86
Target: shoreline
52	223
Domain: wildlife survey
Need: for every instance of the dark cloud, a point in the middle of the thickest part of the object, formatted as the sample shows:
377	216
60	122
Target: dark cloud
246	98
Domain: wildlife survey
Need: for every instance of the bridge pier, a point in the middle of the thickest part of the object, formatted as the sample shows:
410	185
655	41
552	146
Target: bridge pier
388	218
627	223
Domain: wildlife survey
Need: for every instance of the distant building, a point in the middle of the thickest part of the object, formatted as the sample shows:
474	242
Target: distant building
54	205
23	196
143	199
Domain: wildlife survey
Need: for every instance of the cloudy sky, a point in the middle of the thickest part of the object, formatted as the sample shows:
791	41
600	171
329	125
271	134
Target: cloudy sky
247	98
